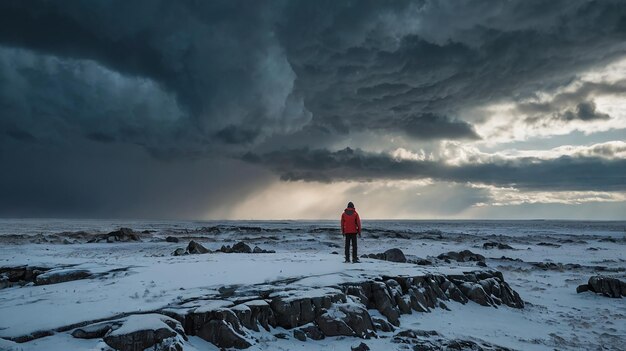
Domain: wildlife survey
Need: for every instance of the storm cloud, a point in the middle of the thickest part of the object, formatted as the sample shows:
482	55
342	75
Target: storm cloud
176	92
527	173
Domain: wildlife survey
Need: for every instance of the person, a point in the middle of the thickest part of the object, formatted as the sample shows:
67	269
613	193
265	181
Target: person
350	228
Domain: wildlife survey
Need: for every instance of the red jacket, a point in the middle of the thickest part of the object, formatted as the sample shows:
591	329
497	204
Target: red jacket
350	222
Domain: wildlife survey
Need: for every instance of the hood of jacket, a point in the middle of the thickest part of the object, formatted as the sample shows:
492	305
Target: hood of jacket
350	211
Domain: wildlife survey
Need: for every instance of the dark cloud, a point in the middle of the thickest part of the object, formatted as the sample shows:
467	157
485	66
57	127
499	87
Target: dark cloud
585	111
487	52
100	137
95	87
563	173
576	104
274	67
112	180
431	126
20	135
234	135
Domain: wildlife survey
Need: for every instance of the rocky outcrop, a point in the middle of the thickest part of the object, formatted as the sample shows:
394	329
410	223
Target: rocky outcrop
312	332
497	245
360	347
95	331
348	319
257	250
139	332
462	256
242	247
549	244
195	248
19	275
296	308
120	235
171	239
313	313
607	286
62	275
218	325
392	255
431	340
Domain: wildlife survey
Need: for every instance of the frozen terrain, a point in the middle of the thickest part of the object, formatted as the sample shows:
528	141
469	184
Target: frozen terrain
77	275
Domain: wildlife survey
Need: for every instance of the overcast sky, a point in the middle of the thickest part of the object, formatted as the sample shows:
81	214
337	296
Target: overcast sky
290	109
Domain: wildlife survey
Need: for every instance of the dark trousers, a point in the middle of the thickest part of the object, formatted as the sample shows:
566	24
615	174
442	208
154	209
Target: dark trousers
351	238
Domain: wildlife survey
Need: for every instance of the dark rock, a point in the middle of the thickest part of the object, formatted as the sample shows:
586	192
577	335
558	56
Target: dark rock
557	266
217	325
19	274
414	334
196	248
179	252
384	304
131	336
382	325
476	292
462	256
60	276
95	331
241	247
4	282
423	262
418	299
496	245
259	250
481	264
395	255
288	312
331	326
261	313
610	287
361	347
171	239
244	314
453	292
281	336
505	258
123	234
582	288
346	319
392	255
313	332
548	244
358	319
299	334
221	334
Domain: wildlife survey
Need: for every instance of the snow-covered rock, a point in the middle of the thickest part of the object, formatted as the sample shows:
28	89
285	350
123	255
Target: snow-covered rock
607	286
139	332
61	275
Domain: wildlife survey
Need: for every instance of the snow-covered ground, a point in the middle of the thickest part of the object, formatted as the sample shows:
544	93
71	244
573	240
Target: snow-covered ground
129	277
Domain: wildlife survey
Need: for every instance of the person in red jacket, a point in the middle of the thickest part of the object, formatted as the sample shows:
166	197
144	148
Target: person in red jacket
350	228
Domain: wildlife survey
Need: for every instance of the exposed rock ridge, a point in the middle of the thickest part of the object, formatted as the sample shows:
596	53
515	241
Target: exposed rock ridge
310	313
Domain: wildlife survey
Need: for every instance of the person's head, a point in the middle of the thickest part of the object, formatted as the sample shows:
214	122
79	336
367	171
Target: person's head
350	204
